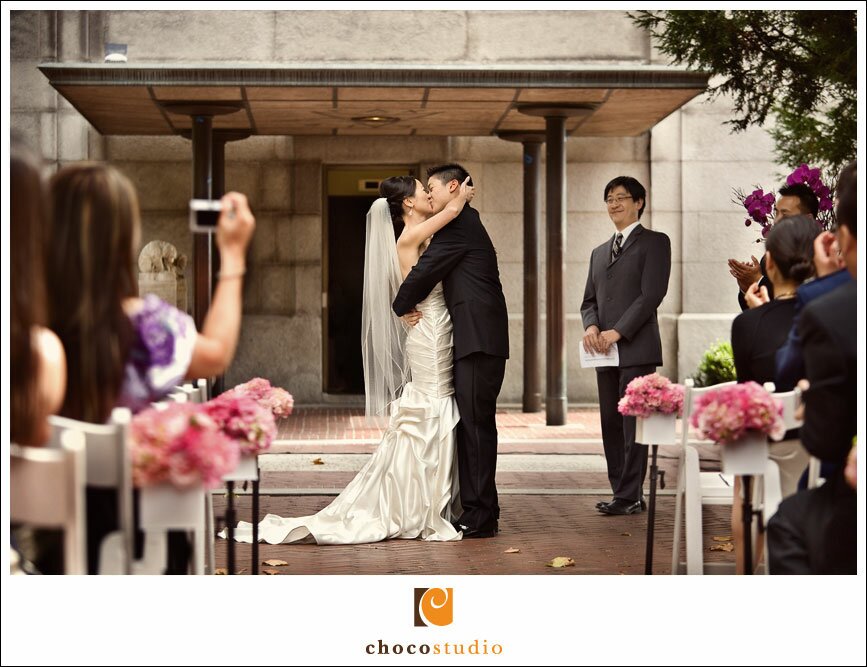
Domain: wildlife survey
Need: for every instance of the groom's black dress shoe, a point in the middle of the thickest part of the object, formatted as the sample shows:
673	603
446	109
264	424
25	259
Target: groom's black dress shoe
618	506
603	503
471	533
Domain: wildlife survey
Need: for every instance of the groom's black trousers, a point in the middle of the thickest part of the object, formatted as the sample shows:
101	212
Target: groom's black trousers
478	379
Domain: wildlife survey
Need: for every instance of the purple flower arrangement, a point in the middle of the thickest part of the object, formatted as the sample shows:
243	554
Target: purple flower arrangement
760	204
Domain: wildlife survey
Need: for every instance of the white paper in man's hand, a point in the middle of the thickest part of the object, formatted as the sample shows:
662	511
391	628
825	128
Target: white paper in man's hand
596	360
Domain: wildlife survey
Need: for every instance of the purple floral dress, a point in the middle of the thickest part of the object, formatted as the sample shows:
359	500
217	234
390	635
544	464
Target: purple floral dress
160	354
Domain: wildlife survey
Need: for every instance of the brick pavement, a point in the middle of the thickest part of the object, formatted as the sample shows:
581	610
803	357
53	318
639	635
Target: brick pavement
543	513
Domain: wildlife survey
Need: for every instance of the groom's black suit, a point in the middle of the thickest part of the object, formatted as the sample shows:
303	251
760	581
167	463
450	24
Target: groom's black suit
462	256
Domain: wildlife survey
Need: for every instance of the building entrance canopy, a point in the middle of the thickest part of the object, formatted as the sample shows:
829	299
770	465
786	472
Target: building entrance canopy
328	99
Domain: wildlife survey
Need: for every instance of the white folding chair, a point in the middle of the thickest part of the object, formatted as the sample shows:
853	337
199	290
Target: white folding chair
164	508
814	473
769	491
108	466
47	491
198	393
694	490
202	384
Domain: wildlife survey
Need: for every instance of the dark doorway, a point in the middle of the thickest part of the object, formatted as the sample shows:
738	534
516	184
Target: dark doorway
350	193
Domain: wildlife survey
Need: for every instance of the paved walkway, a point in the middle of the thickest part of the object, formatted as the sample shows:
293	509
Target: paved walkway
549	480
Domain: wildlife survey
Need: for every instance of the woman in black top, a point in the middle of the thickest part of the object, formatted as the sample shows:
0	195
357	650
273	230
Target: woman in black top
759	332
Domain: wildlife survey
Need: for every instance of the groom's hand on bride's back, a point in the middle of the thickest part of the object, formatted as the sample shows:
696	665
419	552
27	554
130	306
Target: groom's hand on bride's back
412	317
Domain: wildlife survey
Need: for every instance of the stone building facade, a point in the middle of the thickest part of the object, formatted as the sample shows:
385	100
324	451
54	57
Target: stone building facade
689	163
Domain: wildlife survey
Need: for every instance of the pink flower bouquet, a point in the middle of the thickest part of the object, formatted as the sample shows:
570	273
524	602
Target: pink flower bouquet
276	399
181	445
244	420
651	394
727	414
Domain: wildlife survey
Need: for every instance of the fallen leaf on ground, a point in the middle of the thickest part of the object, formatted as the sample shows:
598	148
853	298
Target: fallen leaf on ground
722	538
221	570
512	550
318	462
269	571
626	534
561	561
274	562
728	546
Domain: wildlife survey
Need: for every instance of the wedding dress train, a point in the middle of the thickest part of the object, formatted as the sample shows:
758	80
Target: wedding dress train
409	487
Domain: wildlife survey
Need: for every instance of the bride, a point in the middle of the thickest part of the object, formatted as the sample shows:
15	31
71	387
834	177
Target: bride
409	487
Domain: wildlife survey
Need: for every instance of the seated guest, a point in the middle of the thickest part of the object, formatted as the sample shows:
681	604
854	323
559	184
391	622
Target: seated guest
814	532
123	350
758	333
797	199
830	273
38	365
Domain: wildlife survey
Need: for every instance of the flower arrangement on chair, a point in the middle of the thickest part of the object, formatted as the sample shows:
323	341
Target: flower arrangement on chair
652	394
180	445
760	205
656	403
727	414
277	400
244	420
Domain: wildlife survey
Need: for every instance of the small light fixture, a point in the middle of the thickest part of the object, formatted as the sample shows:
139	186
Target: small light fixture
375	120
115	53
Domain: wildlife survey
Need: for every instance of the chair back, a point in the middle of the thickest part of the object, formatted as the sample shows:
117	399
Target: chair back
107	464
47	491
691	394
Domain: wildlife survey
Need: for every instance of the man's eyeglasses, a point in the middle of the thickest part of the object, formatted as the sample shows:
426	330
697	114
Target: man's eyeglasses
611	201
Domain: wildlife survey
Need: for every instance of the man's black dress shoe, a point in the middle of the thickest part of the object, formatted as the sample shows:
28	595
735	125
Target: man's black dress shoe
619	507
603	503
471	533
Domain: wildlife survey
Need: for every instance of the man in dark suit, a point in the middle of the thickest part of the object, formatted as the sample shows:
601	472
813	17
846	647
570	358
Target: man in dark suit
627	281
797	199
462	256
815	532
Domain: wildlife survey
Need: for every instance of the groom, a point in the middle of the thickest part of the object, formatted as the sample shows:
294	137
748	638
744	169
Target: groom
462	256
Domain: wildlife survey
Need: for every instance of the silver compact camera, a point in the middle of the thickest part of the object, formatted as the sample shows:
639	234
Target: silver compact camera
204	215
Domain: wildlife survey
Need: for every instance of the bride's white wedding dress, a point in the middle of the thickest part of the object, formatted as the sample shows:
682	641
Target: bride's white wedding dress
409	487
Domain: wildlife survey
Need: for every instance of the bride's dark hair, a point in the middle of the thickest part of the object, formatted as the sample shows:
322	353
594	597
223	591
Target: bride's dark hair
395	189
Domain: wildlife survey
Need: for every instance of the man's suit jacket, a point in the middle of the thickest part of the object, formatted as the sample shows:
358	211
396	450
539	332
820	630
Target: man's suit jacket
790	357
828	330
624	294
462	256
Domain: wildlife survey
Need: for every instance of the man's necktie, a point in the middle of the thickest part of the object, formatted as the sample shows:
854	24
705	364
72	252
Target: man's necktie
615	251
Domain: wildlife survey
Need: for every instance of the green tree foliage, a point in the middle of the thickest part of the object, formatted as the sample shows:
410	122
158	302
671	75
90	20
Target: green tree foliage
799	66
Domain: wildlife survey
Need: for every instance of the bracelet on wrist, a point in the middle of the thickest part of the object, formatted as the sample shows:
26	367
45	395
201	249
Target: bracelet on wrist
223	275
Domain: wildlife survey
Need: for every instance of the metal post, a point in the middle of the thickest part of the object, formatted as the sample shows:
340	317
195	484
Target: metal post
651	513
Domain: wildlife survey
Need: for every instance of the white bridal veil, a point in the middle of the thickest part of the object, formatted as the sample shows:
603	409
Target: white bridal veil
383	334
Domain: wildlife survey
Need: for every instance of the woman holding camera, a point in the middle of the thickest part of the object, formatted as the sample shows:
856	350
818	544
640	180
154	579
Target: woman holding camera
123	350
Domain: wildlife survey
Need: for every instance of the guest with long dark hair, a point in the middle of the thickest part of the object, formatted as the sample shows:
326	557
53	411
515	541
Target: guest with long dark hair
123	350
